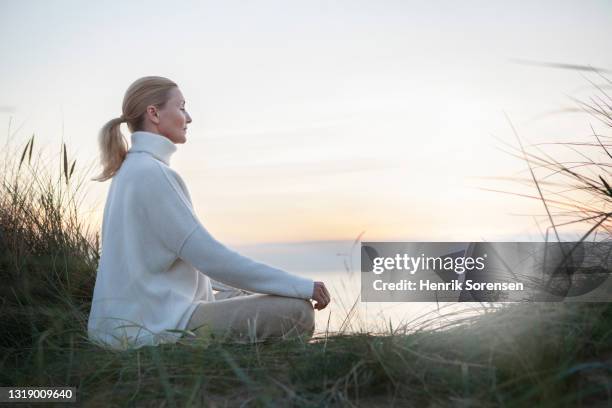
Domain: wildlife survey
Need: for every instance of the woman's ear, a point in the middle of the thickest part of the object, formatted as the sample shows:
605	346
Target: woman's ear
153	114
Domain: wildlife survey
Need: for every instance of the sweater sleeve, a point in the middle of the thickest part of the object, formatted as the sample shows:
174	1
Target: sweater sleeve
165	217
218	262
170	220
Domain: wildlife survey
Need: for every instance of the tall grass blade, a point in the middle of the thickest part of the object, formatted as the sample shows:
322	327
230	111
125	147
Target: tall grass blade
31	147
65	164
24	152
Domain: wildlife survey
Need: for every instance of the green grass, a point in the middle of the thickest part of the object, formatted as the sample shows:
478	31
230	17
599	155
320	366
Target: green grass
554	355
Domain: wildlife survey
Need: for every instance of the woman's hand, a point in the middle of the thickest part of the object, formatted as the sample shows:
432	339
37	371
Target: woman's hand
320	295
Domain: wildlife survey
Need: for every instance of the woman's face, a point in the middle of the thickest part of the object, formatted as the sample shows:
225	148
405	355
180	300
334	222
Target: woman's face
173	118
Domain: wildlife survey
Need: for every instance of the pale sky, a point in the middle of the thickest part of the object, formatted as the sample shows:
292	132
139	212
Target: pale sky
317	120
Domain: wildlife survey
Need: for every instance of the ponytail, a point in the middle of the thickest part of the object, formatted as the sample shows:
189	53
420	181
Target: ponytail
145	91
113	148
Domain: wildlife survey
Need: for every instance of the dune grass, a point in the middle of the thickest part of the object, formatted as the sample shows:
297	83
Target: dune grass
513	355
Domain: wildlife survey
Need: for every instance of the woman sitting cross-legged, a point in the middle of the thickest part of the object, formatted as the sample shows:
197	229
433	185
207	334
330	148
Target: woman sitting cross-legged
159	264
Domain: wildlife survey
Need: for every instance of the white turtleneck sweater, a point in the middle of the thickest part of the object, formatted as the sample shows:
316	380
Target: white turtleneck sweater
157	259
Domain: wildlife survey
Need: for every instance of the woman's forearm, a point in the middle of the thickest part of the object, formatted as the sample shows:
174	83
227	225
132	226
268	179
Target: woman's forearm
220	263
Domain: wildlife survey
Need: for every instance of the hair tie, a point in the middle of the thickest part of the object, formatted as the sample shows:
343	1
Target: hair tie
122	118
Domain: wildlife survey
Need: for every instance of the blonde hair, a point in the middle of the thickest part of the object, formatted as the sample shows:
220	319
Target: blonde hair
149	90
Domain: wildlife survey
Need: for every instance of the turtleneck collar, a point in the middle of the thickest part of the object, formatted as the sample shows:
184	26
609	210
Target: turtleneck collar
156	145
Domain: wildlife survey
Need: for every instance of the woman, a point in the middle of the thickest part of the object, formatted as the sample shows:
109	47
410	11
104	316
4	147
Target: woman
158	264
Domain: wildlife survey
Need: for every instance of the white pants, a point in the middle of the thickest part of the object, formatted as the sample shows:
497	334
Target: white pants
243	317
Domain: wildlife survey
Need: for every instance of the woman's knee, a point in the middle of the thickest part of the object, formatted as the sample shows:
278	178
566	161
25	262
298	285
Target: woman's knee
303	315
